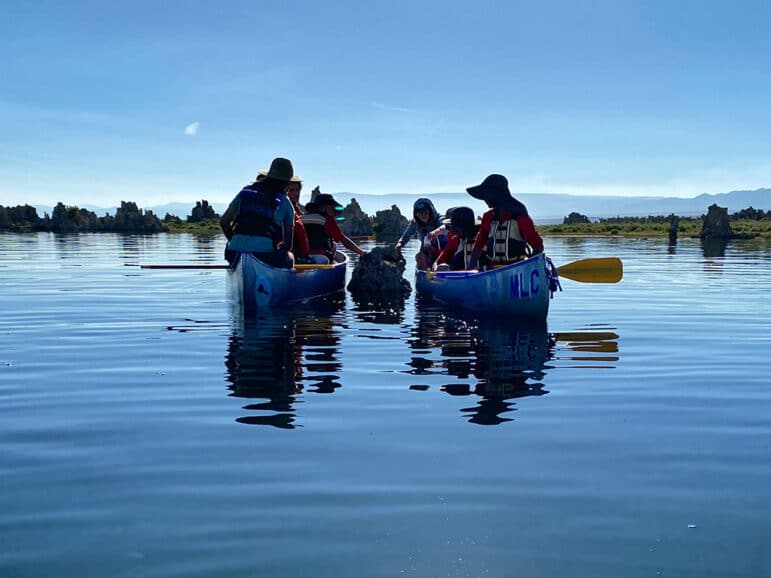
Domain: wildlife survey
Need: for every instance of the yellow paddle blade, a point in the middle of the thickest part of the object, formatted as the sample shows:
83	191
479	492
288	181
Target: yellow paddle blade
598	270
308	266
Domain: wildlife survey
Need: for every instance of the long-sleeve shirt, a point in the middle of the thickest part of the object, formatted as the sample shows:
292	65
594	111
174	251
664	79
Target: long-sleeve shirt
526	229
300	241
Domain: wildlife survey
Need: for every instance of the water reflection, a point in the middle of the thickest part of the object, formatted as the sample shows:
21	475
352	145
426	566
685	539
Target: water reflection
713	247
380	315
498	362
270	359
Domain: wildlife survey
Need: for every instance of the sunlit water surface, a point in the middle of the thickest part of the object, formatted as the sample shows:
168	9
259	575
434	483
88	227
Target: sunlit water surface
148	431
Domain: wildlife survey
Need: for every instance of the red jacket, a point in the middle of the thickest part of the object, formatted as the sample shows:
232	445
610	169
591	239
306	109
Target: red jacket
300	241
526	229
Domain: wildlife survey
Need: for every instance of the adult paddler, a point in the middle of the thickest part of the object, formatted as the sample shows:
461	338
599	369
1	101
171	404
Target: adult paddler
507	233
260	219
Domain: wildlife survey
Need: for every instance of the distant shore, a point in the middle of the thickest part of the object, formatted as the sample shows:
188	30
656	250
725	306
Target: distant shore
384	226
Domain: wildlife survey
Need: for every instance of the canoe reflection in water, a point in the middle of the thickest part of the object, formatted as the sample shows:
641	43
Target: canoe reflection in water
272	358
498	362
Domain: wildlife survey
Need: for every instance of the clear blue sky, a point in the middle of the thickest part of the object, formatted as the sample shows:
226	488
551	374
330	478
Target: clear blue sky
177	101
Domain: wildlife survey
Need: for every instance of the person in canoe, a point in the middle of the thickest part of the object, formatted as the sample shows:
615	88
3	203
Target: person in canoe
456	254
425	219
320	223
260	219
300	247
507	233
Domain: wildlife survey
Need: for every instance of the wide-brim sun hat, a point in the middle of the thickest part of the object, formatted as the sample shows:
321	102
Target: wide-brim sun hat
281	169
493	187
325	199
494	190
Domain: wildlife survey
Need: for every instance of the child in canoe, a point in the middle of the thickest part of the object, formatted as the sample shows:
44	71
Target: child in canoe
456	254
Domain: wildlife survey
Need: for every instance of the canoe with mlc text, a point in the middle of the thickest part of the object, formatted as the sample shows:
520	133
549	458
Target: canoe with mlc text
520	290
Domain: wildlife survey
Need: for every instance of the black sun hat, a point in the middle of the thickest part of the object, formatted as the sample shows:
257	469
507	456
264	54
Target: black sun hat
325	199
494	190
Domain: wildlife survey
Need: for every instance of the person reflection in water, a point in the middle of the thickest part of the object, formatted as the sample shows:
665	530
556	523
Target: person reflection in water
271	358
507	363
262	364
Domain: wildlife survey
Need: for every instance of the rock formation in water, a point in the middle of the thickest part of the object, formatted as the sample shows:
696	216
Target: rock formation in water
73	220
575	219
202	211
716	224
378	277
389	225
20	219
357	223
131	219
674	225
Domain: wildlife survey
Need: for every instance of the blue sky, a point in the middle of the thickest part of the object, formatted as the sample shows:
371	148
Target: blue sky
176	101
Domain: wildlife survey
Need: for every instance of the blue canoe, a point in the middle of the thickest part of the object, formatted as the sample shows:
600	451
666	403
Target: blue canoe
256	286
520	290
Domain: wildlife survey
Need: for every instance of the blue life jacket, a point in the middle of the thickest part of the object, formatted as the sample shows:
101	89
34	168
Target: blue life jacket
256	210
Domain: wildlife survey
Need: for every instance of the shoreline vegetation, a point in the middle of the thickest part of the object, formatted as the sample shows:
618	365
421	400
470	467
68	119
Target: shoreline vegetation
384	226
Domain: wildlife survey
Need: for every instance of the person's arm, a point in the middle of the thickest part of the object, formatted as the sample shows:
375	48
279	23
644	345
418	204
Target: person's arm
529	233
351	246
449	250
481	241
408	233
337	235
287	223
228	218
300	246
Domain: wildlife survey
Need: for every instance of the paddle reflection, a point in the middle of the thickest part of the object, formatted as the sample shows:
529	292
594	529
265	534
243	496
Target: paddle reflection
272	358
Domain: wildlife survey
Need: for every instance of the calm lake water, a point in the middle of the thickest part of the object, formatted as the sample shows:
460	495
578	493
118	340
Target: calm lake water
146	431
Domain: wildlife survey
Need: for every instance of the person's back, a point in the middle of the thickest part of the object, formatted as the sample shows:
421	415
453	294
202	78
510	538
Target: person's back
320	243
503	236
260	219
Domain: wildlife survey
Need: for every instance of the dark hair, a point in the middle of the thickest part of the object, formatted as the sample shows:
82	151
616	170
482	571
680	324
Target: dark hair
463	218
274	186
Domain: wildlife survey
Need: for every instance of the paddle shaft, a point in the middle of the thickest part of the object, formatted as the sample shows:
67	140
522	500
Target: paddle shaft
184	266
304	267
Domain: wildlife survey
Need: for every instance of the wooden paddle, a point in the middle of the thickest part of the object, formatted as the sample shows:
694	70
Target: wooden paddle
597	270
297	267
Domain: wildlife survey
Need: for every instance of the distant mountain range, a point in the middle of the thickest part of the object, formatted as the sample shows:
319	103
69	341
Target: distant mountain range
543	207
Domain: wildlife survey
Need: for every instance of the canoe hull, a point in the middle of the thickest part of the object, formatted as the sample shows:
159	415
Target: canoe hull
255	286
520	290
